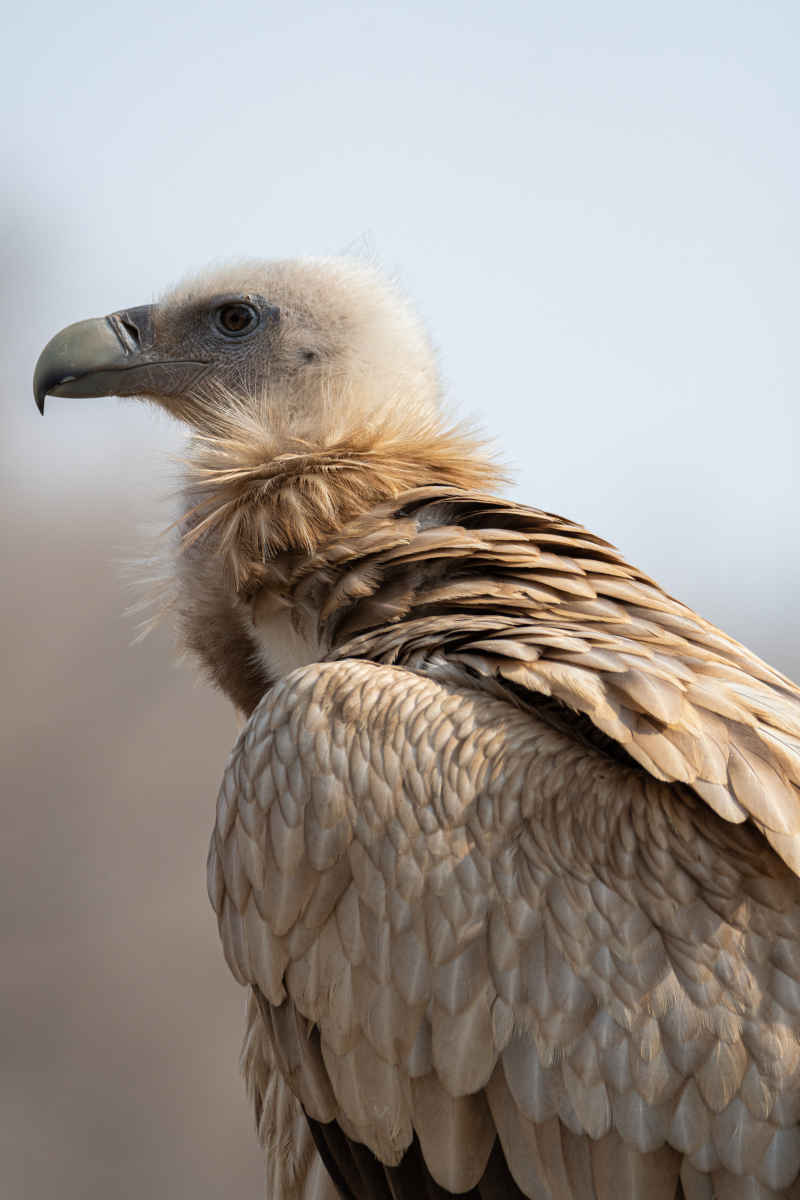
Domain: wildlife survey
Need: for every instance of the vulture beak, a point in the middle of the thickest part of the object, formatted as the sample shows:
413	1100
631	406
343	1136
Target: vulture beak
110	356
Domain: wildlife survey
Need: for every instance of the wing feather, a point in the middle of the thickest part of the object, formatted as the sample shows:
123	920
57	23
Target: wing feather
469	924
524	598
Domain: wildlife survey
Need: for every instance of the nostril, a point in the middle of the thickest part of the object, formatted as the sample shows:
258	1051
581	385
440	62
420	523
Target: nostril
131	330
133	327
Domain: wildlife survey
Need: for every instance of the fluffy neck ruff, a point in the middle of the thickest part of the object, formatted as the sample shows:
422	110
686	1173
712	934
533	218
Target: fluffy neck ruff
252	500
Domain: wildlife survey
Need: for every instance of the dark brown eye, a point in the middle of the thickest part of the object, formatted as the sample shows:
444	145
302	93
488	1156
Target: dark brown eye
236	319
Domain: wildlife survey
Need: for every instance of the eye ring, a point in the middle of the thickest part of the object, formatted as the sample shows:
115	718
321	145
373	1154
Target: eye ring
236	318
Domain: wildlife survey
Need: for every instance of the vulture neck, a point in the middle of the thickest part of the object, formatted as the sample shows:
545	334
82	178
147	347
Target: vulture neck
253	504
255	513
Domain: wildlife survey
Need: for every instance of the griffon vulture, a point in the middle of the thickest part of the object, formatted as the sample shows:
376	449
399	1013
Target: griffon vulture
507	852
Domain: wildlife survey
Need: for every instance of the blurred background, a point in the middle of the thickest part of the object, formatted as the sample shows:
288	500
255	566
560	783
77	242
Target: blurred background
596	208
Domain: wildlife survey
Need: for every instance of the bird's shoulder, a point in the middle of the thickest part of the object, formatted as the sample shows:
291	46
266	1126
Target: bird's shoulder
447	580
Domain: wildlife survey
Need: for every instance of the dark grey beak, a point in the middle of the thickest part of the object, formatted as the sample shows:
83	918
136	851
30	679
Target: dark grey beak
110	356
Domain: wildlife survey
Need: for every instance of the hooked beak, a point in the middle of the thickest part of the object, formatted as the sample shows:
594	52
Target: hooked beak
111	356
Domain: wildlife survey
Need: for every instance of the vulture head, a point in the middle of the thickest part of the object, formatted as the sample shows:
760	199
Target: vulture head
311	387
310	349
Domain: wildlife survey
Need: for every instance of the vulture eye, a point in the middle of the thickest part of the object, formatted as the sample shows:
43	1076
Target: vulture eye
236	319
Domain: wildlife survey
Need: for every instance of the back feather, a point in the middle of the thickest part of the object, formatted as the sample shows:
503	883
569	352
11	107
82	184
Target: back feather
525	598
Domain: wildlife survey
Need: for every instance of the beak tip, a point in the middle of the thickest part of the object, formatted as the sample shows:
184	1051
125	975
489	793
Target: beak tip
40	399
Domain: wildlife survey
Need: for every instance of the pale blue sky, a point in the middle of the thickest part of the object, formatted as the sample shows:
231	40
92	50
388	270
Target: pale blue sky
595	206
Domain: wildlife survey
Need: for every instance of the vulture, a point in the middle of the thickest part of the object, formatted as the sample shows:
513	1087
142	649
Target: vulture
507	852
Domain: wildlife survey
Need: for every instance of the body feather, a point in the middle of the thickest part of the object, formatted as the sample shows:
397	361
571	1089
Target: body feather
553	918
654	910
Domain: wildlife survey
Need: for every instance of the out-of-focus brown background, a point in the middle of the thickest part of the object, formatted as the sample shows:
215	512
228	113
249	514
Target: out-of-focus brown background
597	211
